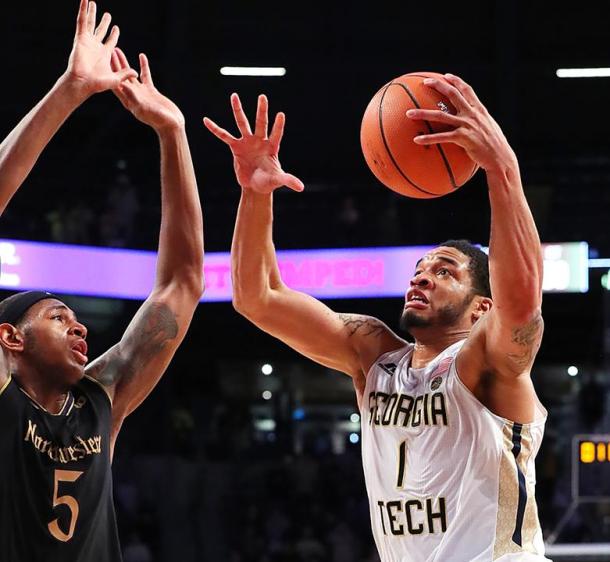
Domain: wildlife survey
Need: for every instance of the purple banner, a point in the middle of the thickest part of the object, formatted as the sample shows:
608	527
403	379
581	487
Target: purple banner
129	274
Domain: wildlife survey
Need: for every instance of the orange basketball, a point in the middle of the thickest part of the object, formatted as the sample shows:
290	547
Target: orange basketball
386	137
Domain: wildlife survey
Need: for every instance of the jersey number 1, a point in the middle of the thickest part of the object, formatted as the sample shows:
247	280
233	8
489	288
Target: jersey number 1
64	476
402	464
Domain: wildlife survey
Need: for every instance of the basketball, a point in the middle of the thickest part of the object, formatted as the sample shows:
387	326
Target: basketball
386	137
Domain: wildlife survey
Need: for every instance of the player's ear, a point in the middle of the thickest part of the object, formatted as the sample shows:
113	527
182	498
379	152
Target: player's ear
11	338
481	305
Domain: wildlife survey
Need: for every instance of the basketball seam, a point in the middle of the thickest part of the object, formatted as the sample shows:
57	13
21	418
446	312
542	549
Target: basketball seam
432	131
387	147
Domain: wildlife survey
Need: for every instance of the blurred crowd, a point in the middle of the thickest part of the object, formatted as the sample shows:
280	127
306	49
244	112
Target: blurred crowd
117	211
211	488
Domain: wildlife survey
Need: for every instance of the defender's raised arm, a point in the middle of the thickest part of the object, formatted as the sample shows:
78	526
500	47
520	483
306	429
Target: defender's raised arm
132	368
88	72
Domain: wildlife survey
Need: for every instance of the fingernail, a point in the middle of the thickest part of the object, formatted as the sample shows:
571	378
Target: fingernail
410	113
428	81
448	75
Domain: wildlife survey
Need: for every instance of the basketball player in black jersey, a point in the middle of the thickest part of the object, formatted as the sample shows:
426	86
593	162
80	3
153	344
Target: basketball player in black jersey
59	417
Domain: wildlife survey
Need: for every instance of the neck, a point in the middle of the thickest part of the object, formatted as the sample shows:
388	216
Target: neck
46	394
429	343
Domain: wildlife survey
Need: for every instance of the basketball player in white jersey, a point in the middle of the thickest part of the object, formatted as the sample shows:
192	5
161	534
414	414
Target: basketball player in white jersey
450	424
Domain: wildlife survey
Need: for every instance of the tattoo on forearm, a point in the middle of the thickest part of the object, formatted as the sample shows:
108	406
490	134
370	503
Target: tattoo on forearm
155	326
526	337
368	326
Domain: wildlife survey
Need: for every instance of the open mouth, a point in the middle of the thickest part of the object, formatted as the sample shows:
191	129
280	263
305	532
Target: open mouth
416	299
80	357
80	351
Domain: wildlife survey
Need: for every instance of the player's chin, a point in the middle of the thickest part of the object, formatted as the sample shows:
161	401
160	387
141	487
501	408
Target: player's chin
74	372
412	318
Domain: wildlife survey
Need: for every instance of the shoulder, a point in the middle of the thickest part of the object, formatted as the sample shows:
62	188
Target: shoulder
94	388
390	349
370	338
390	361
4	384
370	329
362	325
10	396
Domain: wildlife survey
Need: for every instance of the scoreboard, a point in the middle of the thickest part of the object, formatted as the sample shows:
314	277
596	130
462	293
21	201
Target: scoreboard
591	467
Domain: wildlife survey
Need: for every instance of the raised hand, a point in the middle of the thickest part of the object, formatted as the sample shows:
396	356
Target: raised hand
142	98
474	128
89	66
255	155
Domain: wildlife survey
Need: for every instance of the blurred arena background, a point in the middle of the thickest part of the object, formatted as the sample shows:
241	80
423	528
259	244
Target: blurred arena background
246	451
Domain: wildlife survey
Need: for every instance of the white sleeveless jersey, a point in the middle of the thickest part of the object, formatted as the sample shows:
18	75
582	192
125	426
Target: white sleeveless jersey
447	480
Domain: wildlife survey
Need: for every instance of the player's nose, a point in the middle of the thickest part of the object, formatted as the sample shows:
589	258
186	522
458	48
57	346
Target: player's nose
79	330
421	280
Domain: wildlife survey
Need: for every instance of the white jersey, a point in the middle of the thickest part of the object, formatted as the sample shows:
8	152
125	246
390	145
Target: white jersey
447	480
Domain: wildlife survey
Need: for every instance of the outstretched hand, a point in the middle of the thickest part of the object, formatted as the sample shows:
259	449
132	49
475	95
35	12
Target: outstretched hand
89	66
474	128
142	98
255	155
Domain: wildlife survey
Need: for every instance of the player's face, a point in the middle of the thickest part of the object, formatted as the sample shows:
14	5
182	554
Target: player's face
55	340
440	291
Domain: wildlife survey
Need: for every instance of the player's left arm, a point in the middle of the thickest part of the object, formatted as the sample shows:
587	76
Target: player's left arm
496	361
131	369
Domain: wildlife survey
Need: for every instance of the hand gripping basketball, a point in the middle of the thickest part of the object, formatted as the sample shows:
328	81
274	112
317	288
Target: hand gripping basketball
473	128
386	135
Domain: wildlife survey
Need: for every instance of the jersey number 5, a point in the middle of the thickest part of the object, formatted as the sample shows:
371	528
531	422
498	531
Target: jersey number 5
64	476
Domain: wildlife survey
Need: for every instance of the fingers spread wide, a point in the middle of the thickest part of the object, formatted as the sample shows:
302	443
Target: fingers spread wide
240	117
218	132
262	120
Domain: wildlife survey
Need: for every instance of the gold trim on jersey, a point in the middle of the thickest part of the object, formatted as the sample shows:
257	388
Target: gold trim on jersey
508	496
531	523
8	381
101	386
39	406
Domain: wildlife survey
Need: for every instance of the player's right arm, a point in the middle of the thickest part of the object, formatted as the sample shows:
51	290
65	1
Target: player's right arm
345	342
88	72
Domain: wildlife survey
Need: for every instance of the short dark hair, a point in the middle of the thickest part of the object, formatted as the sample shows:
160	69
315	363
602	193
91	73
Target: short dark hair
16	309
478	266
5	305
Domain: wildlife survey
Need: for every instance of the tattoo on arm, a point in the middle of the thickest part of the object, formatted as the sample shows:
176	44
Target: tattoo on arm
526	337
155	326
368	326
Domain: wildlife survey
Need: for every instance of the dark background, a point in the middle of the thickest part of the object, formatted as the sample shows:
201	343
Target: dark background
337	55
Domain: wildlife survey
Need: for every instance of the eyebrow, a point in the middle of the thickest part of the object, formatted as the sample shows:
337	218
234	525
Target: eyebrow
61	307
57	306
442	258
448	260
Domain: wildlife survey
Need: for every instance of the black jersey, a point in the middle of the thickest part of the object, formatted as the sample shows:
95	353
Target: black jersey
55	478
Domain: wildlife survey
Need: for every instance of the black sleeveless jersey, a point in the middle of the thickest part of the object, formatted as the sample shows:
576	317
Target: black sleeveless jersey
55	478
